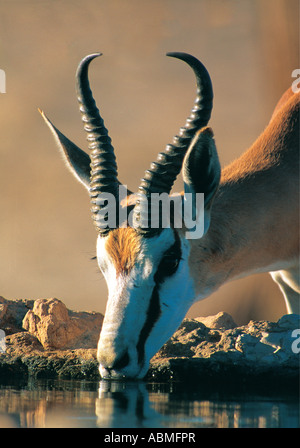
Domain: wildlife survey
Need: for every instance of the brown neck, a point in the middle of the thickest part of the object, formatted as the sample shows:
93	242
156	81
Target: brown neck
254	217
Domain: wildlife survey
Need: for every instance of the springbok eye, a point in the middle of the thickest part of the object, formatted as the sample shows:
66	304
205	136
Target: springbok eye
168	265
169	262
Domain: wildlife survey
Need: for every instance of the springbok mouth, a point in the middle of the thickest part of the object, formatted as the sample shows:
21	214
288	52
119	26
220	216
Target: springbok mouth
107	373
111	374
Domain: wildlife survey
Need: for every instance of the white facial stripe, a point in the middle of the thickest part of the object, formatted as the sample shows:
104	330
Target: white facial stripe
143	310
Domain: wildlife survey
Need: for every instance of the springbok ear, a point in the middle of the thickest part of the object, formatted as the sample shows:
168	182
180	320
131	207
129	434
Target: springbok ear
201	174
76	160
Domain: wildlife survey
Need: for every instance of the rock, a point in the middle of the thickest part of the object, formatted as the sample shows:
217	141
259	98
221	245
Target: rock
189	335
21	343
3	308
56	327
49	324
65	364
12	313
221	321
258	350
289	321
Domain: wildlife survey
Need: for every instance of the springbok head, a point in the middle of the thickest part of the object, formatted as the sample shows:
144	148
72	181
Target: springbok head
146	267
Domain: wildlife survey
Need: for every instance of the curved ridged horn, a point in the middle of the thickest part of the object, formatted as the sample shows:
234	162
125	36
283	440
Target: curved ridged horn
163	172
103	162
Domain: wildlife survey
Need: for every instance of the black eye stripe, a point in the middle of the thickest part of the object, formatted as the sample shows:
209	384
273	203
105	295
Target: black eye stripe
173	253
175	249
153	314
154	310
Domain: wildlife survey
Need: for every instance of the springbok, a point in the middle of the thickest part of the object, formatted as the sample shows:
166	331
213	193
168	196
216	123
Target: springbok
154	275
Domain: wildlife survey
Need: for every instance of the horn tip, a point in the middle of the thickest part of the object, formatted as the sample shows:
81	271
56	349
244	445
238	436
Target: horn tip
93	55
46	120
176	54
97	53
85	62
44	116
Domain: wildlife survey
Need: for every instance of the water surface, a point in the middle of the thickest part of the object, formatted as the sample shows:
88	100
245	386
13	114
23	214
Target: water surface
57	403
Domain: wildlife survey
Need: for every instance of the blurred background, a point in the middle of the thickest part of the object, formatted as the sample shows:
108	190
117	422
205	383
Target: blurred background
47	238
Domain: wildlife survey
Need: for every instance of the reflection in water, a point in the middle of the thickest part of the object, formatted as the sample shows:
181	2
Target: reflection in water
125	405
161	405
138	404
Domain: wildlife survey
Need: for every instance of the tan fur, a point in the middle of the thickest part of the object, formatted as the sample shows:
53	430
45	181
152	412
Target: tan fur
288	94
276	147
123	246
255	214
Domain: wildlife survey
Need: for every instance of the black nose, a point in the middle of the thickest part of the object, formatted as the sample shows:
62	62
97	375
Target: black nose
118	364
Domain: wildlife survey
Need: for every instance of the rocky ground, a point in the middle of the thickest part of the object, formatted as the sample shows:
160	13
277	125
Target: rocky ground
44	339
